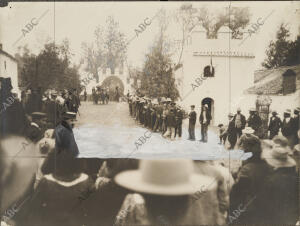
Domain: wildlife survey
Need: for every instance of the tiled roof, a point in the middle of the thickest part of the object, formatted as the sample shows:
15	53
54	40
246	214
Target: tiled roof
269	81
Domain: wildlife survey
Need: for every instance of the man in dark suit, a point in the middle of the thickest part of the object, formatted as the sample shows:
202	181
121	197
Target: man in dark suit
239	121
192	122
287	126
231	131
254	121
274	125
204	120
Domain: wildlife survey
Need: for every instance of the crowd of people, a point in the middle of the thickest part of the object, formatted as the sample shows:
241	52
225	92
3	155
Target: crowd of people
58	188
163	115
36	111
101	95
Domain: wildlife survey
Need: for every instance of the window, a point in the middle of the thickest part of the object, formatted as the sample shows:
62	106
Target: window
5	65
209	71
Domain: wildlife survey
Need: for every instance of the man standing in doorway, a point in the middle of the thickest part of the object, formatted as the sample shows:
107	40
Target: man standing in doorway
192	122
204	119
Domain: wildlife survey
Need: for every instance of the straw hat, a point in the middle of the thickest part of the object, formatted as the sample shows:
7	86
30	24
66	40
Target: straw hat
169	177
252	109
168	99
248	130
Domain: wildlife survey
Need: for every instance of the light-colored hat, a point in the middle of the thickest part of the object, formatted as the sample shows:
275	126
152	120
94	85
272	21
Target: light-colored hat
278	156
252	109
169	177
248	130
238	109
168	99
163	99
288	111
155	101
297	109
230	115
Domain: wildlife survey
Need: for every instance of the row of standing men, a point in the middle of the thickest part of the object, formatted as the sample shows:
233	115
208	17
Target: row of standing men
163	116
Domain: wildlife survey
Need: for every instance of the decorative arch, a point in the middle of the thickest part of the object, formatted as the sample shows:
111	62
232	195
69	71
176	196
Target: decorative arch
112	82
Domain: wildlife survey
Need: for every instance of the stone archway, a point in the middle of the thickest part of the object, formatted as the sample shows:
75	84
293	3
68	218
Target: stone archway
210	103
113	83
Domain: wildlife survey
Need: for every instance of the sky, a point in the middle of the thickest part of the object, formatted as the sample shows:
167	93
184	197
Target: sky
77	22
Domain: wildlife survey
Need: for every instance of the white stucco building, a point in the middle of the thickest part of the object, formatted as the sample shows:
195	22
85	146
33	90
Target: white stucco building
233	65
9	68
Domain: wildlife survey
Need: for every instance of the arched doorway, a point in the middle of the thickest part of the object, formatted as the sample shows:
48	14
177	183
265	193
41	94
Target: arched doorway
210	103
114	85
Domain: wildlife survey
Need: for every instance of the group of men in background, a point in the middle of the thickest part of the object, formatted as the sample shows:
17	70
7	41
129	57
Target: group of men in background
100	94
159	115
36	111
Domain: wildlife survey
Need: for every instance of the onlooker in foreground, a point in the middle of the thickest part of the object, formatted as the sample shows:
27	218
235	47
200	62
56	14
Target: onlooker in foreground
166	195
280	193
250	178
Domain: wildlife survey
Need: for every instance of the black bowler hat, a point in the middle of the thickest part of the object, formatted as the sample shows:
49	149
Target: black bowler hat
192	106
69	115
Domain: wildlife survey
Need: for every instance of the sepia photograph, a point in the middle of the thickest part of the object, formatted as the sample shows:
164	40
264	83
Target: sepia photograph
148	113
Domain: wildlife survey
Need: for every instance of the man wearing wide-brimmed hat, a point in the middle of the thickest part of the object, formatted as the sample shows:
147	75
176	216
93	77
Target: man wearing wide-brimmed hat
172	188
274	125
280	191
287	126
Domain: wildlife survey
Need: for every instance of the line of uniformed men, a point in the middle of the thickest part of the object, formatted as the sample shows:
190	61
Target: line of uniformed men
161	115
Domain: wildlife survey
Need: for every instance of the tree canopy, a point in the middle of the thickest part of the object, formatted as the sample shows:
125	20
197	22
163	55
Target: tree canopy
108	50
282	52
51	68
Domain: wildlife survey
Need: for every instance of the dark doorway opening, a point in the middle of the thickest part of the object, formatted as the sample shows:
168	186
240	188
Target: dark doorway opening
210	103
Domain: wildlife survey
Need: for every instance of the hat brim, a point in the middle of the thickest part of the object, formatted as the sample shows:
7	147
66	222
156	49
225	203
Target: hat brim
132	180
277	163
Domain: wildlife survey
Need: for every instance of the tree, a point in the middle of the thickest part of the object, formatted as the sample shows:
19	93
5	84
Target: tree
51	68
107	50
282	52
158	79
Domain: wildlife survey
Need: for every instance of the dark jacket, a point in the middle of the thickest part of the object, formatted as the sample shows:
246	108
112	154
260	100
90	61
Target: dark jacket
208	117
243	121
170	119
192	117
287	128
246	190
254	121
179	116
275	124
280	197
64	139
231	132
13	120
